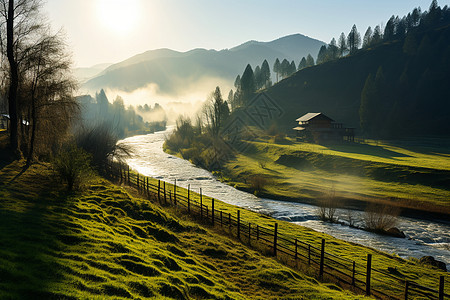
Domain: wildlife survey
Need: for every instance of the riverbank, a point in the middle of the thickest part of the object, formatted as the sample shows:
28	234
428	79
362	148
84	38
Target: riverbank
355	175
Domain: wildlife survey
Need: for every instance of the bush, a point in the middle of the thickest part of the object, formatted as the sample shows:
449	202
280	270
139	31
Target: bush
380	217
72	165
258	183
102	144
326	207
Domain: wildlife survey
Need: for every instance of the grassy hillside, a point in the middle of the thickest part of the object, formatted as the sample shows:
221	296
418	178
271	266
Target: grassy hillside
104	243
410	177
411	90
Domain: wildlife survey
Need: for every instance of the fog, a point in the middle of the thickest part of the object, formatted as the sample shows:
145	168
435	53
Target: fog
188	102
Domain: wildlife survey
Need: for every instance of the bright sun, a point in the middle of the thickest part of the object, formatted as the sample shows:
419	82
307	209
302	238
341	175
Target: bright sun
119	16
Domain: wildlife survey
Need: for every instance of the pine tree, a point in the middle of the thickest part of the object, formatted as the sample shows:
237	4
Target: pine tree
248	86
367	40
302	64
309	61
342	44
389	30
322	56
258	78
237	82
265	74
284	68
353	40
333	50
276	67
377	37
292	68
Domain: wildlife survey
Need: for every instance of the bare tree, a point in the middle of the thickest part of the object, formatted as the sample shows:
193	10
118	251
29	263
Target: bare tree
17	25
38	82
49	88
380	217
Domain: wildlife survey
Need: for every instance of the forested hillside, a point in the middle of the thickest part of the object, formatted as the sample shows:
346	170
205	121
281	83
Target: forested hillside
398	86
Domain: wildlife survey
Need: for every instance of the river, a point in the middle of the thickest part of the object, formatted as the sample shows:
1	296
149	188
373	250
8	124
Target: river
423	237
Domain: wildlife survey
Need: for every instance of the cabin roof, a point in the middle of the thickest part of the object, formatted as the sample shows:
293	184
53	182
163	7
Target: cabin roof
310	116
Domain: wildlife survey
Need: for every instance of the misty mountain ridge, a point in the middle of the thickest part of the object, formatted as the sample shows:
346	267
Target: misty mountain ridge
177	73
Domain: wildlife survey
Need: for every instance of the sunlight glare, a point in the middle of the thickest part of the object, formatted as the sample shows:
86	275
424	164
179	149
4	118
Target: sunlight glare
119	16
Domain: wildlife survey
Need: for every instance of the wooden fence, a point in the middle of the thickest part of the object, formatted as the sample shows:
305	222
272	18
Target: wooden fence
356	276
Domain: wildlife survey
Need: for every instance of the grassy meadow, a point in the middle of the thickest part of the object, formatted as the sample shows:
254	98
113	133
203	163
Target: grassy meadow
105	243
401	175
409	269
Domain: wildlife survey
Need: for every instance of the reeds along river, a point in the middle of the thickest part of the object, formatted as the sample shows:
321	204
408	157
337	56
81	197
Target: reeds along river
423	237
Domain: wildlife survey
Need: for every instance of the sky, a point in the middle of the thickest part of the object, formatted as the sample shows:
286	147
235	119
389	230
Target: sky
109	31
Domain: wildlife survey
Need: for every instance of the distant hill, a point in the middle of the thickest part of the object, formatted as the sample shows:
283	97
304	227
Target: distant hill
412	96
83	74
173	71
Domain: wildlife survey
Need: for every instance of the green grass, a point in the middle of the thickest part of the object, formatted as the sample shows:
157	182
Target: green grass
104	243
413	177
390	263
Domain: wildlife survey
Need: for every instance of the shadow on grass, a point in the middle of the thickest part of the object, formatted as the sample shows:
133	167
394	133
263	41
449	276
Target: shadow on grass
29	235
365	149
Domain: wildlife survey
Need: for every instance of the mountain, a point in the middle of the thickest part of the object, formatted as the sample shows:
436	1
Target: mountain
408	87
174	72
84	74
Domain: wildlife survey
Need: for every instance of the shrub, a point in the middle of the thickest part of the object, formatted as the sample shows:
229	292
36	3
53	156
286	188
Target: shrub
101	143
258	183
72	165
326	207
380	217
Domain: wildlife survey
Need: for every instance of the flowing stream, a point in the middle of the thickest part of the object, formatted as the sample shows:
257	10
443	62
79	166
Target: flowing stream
423	237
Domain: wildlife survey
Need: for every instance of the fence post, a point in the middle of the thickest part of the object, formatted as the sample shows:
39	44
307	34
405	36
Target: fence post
189	199
275	235
441	288
369	270
296	245
229	221
309	254
212	211
137	181
175	193
129	181
221	222
238	224
322	258
353	273
257	232
165	197
201	204
249	233
159	193
406	289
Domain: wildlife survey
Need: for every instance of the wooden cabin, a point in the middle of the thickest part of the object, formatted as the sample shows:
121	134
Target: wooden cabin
319	128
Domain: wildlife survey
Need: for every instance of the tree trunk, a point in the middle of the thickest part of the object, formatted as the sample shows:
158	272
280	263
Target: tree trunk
12	94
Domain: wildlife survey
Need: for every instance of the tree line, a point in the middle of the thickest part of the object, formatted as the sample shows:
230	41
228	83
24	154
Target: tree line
122	120
415	86
395	28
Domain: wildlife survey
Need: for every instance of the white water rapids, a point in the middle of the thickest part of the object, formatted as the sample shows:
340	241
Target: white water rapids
423	237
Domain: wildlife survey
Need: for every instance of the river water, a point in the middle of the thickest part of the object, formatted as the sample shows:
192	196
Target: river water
423	237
